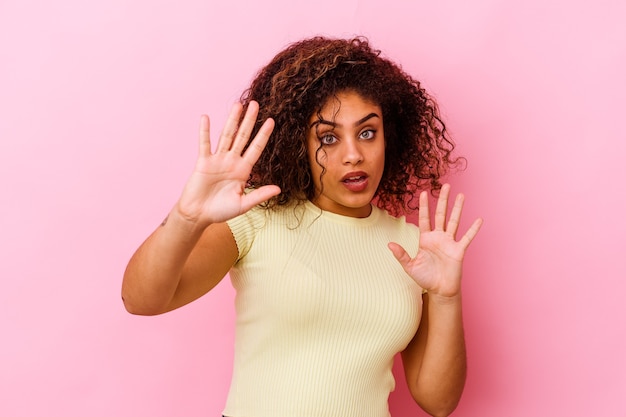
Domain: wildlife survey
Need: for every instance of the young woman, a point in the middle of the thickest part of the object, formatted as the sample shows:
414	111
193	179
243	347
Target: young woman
301	202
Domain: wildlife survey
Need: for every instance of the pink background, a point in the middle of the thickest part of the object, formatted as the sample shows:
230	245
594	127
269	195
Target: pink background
99	107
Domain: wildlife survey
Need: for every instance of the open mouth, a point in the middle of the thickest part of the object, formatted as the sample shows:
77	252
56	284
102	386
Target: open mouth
355	179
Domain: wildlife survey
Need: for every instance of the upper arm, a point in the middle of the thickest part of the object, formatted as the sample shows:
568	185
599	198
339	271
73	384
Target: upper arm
209	261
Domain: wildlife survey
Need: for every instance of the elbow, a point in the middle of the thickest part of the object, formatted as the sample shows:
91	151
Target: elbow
440	410
141	302
134	310
140	309
438	404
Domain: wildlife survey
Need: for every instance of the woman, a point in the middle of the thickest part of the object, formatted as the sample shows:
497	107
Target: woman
330	284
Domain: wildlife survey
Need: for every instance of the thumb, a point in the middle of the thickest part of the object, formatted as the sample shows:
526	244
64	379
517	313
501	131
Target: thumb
399	253
259	195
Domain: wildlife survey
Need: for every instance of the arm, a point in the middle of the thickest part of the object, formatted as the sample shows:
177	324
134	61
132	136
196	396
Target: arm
435	361
193	249
176	265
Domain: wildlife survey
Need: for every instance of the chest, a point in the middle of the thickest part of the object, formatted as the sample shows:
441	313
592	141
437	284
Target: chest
331	284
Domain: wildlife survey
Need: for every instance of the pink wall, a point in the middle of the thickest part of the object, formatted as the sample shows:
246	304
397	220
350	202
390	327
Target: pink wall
99	104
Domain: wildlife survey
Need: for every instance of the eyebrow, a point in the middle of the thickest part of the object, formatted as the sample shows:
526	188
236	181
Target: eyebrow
333	124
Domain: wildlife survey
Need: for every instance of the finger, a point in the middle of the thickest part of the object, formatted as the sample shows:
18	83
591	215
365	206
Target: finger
423	214
257	145
205	137
258	196
230	128
245	128
400	254
455	215
471	233
442	207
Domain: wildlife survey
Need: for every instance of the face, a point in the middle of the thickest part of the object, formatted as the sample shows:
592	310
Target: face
346	150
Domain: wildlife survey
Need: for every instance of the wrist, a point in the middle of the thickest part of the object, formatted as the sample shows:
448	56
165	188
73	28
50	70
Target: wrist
178	220
444	300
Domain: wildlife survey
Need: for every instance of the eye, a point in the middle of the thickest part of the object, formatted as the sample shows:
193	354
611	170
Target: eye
327	139
367	134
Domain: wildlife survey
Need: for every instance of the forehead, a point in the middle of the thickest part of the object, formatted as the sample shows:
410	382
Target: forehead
346	105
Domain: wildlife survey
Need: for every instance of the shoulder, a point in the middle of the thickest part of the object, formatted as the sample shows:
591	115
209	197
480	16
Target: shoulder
399	230
246	227
400	223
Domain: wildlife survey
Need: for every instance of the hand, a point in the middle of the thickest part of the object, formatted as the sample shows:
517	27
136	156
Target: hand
215	191
437	267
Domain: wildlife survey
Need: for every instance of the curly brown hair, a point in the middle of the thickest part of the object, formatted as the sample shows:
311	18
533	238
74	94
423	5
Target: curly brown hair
298	82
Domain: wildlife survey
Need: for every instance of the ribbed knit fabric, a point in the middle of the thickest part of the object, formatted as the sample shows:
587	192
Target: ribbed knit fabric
322	309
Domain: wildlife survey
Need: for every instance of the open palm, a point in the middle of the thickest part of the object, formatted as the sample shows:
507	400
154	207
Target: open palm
437	267
215	192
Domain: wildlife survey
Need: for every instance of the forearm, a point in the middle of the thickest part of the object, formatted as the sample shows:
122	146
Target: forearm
154	271
443	368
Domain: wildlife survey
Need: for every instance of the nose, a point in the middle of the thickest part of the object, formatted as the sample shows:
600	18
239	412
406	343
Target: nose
352	153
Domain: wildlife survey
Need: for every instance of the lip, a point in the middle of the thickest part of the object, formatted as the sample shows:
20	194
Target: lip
354	174
356	181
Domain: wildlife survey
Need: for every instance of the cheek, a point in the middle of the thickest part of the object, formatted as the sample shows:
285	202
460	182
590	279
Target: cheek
378	156
317	159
